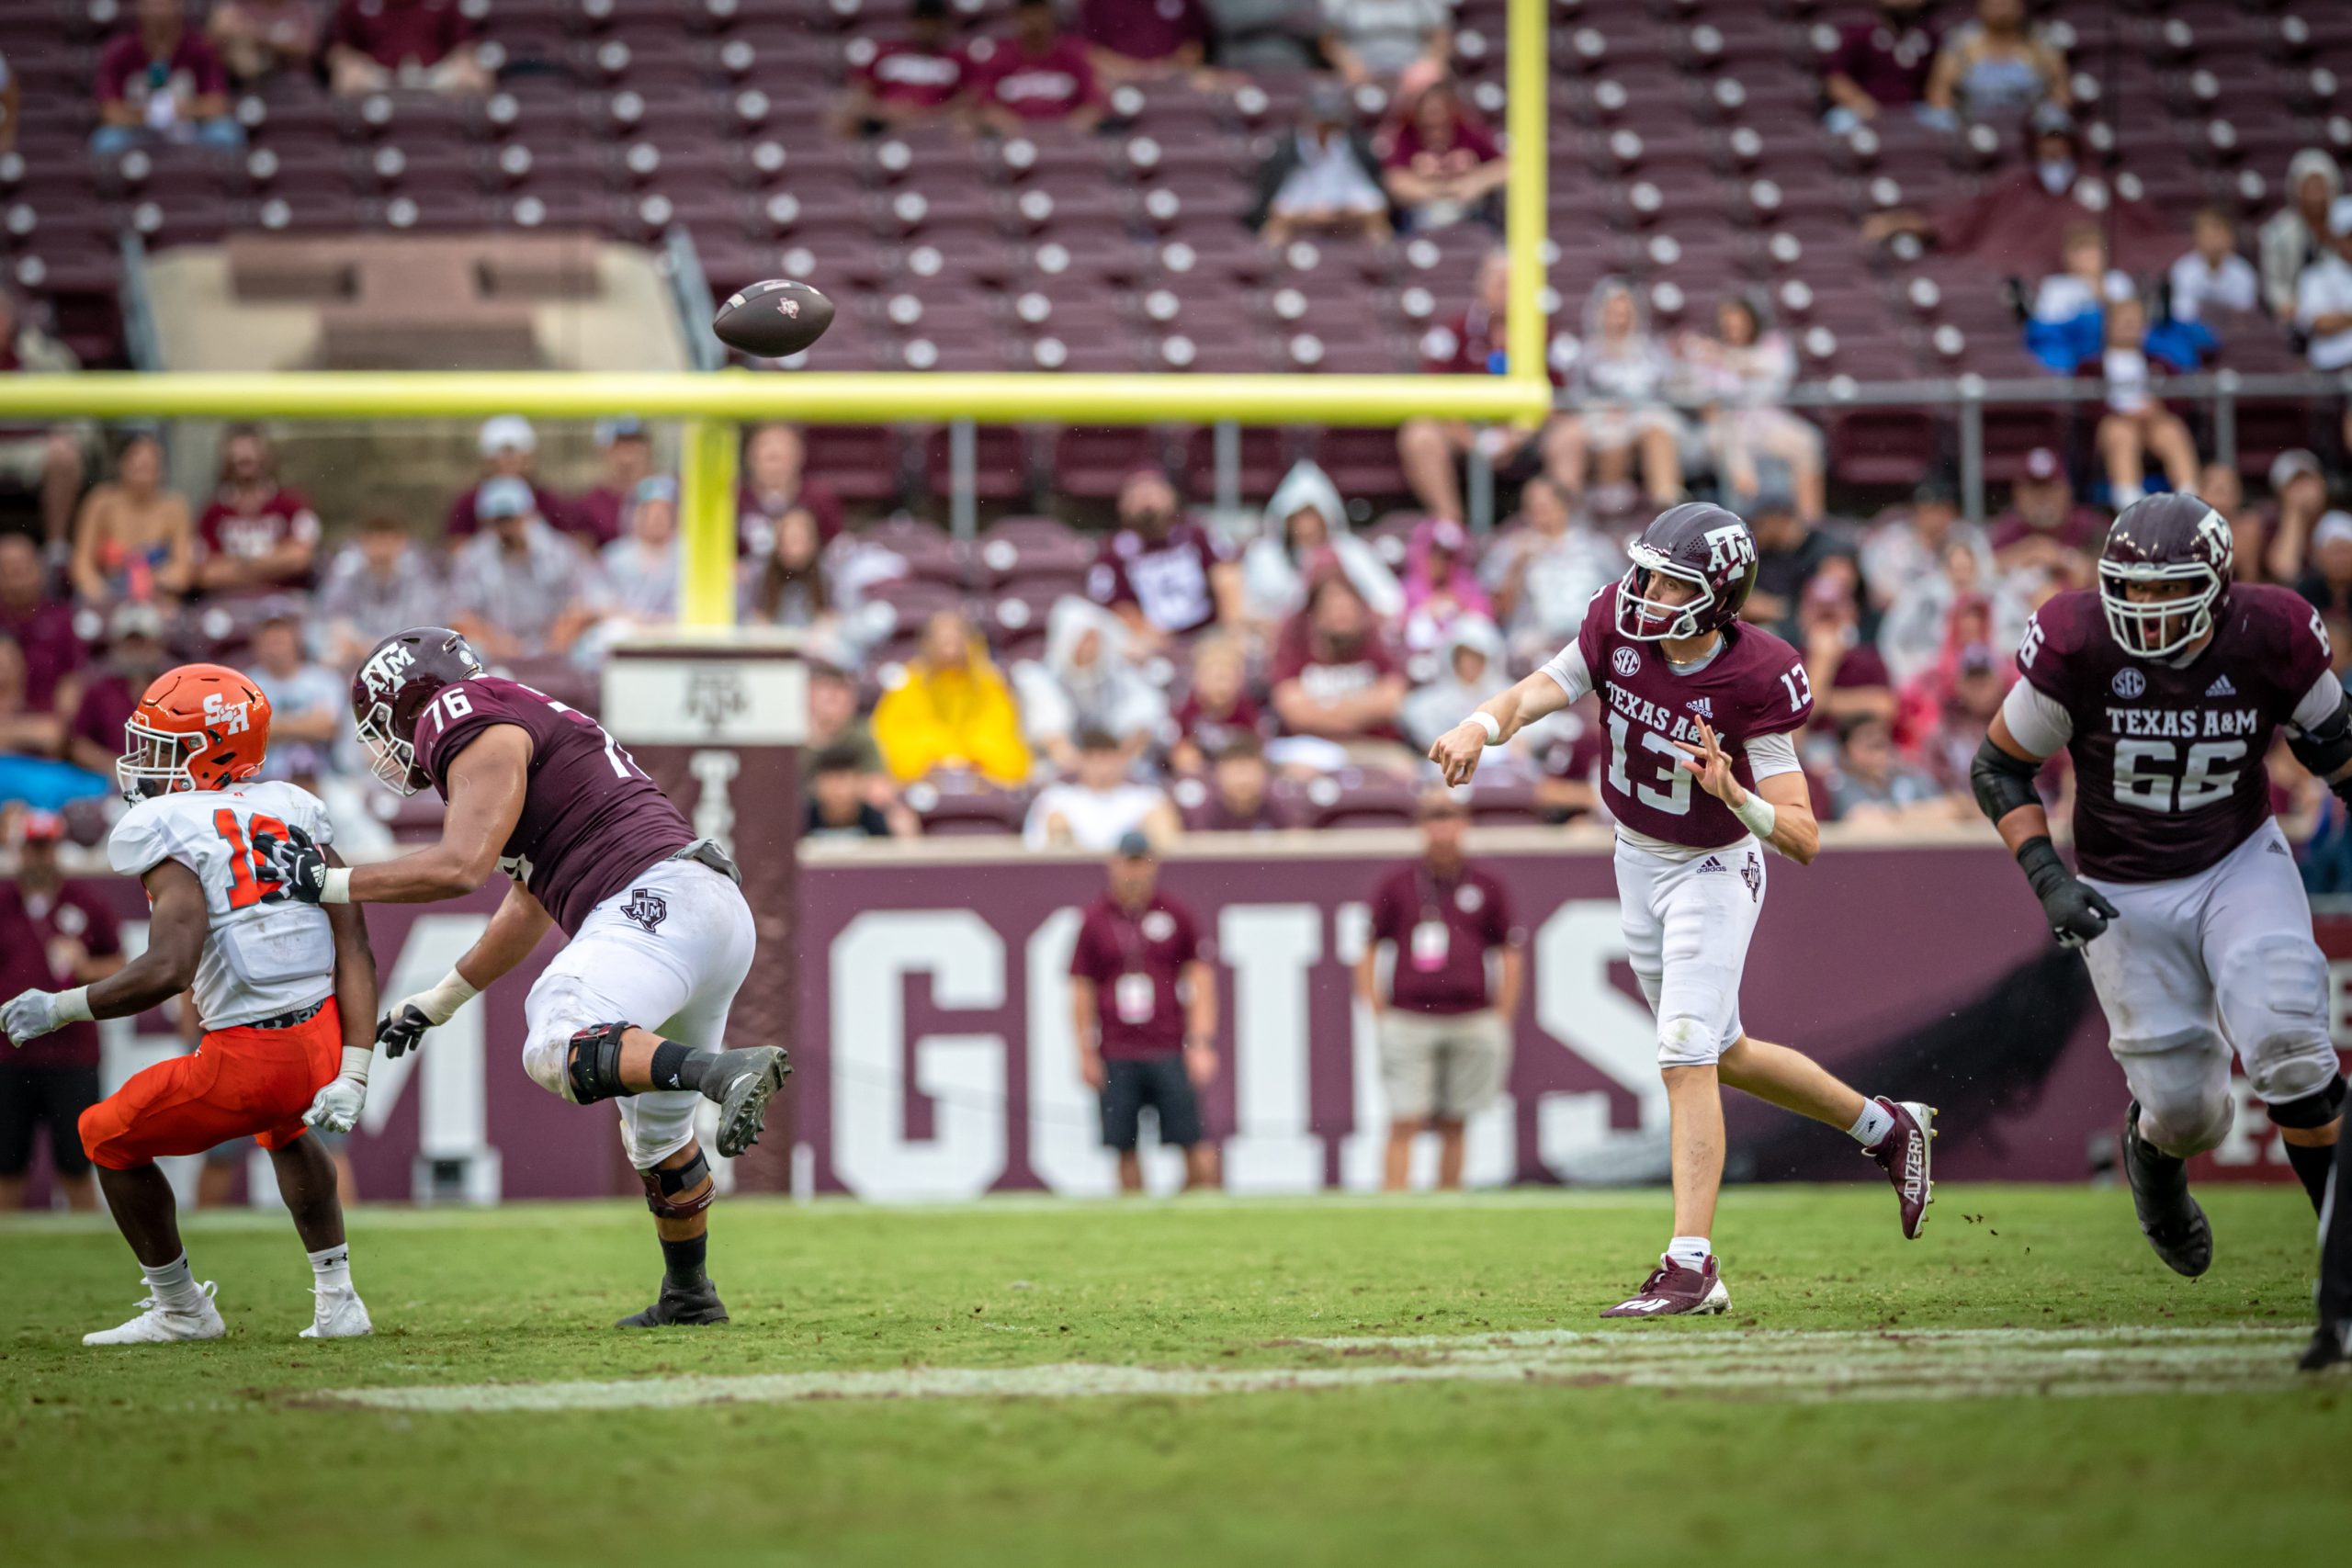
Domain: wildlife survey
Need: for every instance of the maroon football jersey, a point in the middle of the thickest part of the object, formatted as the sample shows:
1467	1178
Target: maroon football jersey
1755	685
1169	581
1443	927
2168	759
1134	960
591	820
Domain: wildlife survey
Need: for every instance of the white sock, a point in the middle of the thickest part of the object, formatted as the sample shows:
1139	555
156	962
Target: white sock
1875	1121
333	1268
172	1285
2124	495
1691	1251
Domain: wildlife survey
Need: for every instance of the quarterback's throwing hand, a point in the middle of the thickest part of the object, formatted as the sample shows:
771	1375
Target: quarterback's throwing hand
29	1016
295	862
1713	766
1457	751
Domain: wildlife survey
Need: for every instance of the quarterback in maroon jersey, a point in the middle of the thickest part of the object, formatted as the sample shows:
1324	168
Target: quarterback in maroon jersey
660	935
1692	696
2165	684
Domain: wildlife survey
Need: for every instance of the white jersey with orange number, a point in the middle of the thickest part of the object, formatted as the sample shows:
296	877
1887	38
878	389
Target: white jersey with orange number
263	957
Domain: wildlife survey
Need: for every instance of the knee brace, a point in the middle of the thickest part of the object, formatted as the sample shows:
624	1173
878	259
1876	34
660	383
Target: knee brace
2313	1110
2273	998
2189	1126
1686	1043
592	1063
663	1187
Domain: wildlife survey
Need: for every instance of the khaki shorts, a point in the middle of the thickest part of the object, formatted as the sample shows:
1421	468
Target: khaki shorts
23	460
1442	1064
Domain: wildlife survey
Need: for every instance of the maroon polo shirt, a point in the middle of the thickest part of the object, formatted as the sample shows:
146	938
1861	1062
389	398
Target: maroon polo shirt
76	912
1144	30
1134	958
392	31
1443	929
1892	65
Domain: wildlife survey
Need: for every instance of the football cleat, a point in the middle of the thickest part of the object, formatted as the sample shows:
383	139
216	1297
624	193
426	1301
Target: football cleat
2330	1349
681	1306
742	1082
338	1314
1673	1290
2170	1218
159	1325
1906	1154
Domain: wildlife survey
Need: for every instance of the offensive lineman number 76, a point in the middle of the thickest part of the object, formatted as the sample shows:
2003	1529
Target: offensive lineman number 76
454	703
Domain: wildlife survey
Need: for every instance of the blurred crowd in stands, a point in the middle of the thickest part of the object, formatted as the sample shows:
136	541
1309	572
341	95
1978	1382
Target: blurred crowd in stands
1186	669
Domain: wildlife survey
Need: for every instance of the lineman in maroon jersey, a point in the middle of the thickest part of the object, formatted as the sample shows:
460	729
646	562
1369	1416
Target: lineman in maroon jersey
2165	685
1691	696
657	928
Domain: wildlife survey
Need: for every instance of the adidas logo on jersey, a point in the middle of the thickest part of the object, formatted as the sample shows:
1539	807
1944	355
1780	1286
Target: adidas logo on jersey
1703	707
1710	863
2220	688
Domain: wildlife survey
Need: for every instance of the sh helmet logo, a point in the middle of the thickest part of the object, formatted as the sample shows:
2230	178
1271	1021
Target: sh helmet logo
229	717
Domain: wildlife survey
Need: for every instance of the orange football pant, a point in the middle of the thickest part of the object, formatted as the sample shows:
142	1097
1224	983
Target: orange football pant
241	1082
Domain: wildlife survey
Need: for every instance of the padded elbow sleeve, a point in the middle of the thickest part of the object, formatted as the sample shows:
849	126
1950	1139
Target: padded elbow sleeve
2326	745
2003	783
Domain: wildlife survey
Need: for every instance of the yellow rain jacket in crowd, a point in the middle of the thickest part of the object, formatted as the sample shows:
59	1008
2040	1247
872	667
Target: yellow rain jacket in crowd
963	717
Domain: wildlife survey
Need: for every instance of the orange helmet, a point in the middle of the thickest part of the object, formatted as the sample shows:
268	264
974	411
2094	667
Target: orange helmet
198	726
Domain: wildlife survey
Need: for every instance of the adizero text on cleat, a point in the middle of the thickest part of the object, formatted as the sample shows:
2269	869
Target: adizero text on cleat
1907	1156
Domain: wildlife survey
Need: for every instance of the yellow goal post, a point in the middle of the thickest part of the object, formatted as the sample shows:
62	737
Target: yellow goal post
715	405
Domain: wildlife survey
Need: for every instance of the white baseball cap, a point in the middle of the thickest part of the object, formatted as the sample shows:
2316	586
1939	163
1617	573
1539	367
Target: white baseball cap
508	433
2339	216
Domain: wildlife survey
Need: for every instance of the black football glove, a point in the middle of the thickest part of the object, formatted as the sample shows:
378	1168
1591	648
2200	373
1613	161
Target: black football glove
398	1033
295	862
2077	912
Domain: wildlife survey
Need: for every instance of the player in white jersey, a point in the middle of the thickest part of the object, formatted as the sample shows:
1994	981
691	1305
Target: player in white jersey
286	990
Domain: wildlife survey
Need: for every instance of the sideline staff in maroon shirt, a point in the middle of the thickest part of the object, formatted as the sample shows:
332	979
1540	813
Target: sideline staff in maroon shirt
1444	1033
1143	1006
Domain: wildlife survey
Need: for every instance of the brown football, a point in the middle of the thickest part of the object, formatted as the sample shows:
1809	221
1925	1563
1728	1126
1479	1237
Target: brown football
774	319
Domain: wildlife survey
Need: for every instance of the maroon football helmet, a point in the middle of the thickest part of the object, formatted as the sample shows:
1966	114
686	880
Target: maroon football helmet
405	672
2165	538
1700	544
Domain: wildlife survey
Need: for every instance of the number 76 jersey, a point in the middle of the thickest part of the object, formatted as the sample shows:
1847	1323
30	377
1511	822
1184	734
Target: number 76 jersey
2168	755
262	956
1751	689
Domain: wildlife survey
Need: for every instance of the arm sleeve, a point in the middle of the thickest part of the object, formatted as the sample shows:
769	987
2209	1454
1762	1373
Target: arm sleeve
2038	721
2320	702
1566	669
1770	755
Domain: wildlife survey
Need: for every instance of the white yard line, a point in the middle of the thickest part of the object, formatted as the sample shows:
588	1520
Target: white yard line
1785	1366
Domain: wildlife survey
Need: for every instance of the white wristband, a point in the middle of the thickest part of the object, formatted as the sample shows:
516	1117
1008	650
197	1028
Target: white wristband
1757	815
1489	723
71	1007
336	889
441	1003
356	1060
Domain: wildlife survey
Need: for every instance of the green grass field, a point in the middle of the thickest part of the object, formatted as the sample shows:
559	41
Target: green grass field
1822	1419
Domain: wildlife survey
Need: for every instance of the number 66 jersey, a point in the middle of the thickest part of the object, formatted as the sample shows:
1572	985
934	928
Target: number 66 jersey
2168	753
262	956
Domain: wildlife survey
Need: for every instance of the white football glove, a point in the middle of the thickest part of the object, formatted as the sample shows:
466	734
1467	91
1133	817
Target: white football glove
31	1014
337	1108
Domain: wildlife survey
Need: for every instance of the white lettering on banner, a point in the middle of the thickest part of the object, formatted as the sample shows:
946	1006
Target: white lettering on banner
963	1075
452	1112
715	805
1269	948
1577	1005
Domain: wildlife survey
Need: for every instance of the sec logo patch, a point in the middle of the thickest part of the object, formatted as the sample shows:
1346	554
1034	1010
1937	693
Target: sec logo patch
1469	898
1159	926
1626	660
2129	682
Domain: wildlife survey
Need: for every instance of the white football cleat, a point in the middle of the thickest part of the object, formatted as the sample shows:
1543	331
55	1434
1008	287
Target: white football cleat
339	1314
159	1325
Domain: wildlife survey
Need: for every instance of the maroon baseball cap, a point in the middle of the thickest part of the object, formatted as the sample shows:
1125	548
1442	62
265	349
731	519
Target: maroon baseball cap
2041	466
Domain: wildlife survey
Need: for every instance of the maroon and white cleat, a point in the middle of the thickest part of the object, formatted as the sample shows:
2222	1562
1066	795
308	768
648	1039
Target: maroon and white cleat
1906	1154
1673	1290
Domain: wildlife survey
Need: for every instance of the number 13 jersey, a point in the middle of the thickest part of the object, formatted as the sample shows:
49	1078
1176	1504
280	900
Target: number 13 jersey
591	820
1752	691
2168	753
261	957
